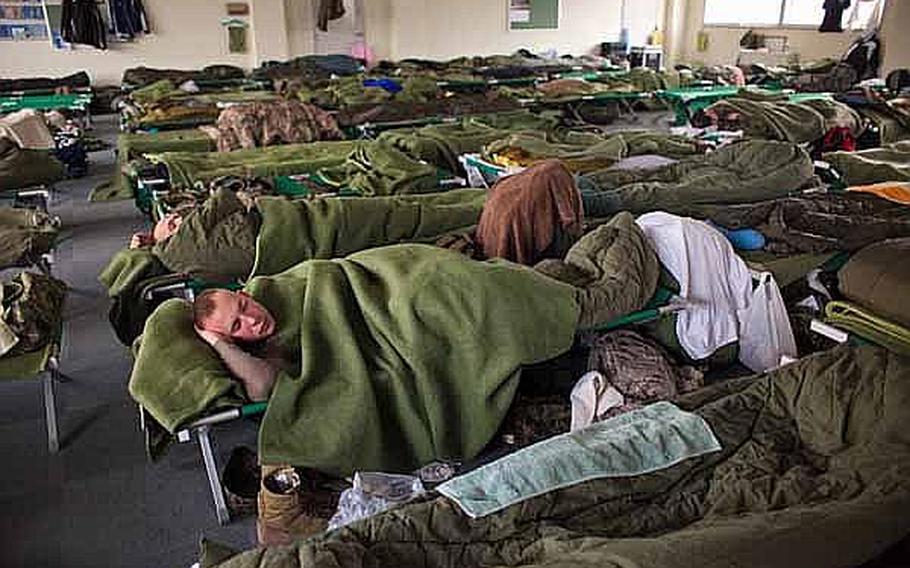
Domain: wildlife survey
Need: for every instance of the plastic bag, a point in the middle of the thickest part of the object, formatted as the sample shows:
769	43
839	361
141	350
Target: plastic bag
373	493
765	335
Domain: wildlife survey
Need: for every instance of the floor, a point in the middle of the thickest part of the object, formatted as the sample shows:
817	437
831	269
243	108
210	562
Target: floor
99	502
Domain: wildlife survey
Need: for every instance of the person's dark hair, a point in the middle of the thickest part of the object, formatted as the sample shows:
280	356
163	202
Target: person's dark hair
204	306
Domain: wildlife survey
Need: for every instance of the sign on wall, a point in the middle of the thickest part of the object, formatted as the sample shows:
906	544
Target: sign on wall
533	14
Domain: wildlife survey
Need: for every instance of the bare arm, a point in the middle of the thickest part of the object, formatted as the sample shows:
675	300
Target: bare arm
257	375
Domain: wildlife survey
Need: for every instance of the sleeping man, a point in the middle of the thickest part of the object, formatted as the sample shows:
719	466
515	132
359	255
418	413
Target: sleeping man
410	343
219	238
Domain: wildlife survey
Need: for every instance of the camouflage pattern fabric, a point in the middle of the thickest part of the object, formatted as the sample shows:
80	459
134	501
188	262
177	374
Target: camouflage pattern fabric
258	124
32	304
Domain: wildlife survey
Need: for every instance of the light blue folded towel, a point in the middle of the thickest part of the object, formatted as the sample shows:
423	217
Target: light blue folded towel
641	441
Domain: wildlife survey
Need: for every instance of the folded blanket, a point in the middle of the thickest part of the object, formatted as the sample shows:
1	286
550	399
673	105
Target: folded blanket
876	278
868	326
638	442
392	355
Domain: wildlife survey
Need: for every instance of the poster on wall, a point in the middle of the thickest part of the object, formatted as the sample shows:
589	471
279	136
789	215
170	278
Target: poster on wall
533	14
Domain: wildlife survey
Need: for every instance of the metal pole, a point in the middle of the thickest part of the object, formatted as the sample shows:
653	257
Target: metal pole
211	471
50	411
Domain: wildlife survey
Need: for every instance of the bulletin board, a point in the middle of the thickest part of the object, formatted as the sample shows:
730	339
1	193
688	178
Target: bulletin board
533	14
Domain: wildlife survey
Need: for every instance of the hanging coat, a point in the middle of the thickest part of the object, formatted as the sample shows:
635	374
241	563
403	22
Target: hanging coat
81	22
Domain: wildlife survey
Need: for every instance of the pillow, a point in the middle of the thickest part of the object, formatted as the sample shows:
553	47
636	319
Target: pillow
177	377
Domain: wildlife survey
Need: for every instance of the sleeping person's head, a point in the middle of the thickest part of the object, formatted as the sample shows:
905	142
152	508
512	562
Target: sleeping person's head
233	315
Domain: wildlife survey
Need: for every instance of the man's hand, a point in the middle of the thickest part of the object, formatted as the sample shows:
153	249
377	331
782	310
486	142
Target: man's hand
140	240
210	337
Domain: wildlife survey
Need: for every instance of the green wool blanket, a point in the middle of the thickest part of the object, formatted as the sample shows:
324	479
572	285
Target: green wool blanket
888	163
743	172
366	166
442	144
402	355
294	231
814	471
132	146
406	354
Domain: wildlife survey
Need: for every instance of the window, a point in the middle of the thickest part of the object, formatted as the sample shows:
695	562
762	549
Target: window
787	13
753	12
803	13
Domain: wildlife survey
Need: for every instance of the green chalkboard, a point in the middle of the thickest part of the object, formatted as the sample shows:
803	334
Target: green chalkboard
544	15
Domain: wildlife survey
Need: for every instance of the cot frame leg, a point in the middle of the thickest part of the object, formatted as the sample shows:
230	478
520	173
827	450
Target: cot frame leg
50	411
211	471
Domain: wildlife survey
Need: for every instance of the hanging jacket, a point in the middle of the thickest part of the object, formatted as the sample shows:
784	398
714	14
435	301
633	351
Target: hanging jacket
82	23
329	10
834	14
128	18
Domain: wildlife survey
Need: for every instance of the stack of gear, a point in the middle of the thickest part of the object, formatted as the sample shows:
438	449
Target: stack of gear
71	150
253	125
32	312
627	371
873	282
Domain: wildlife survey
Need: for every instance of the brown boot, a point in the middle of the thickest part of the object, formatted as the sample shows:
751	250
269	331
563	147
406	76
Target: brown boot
283	517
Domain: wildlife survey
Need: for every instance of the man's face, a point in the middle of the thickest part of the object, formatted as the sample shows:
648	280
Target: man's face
166	227
240	317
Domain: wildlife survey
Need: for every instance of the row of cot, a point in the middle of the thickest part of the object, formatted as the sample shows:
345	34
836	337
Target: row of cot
750	161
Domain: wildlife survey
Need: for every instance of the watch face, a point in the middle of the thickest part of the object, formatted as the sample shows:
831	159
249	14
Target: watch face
283	482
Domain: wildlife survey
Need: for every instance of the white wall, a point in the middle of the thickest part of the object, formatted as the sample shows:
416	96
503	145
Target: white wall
896	35
723	42
187	34
450	28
